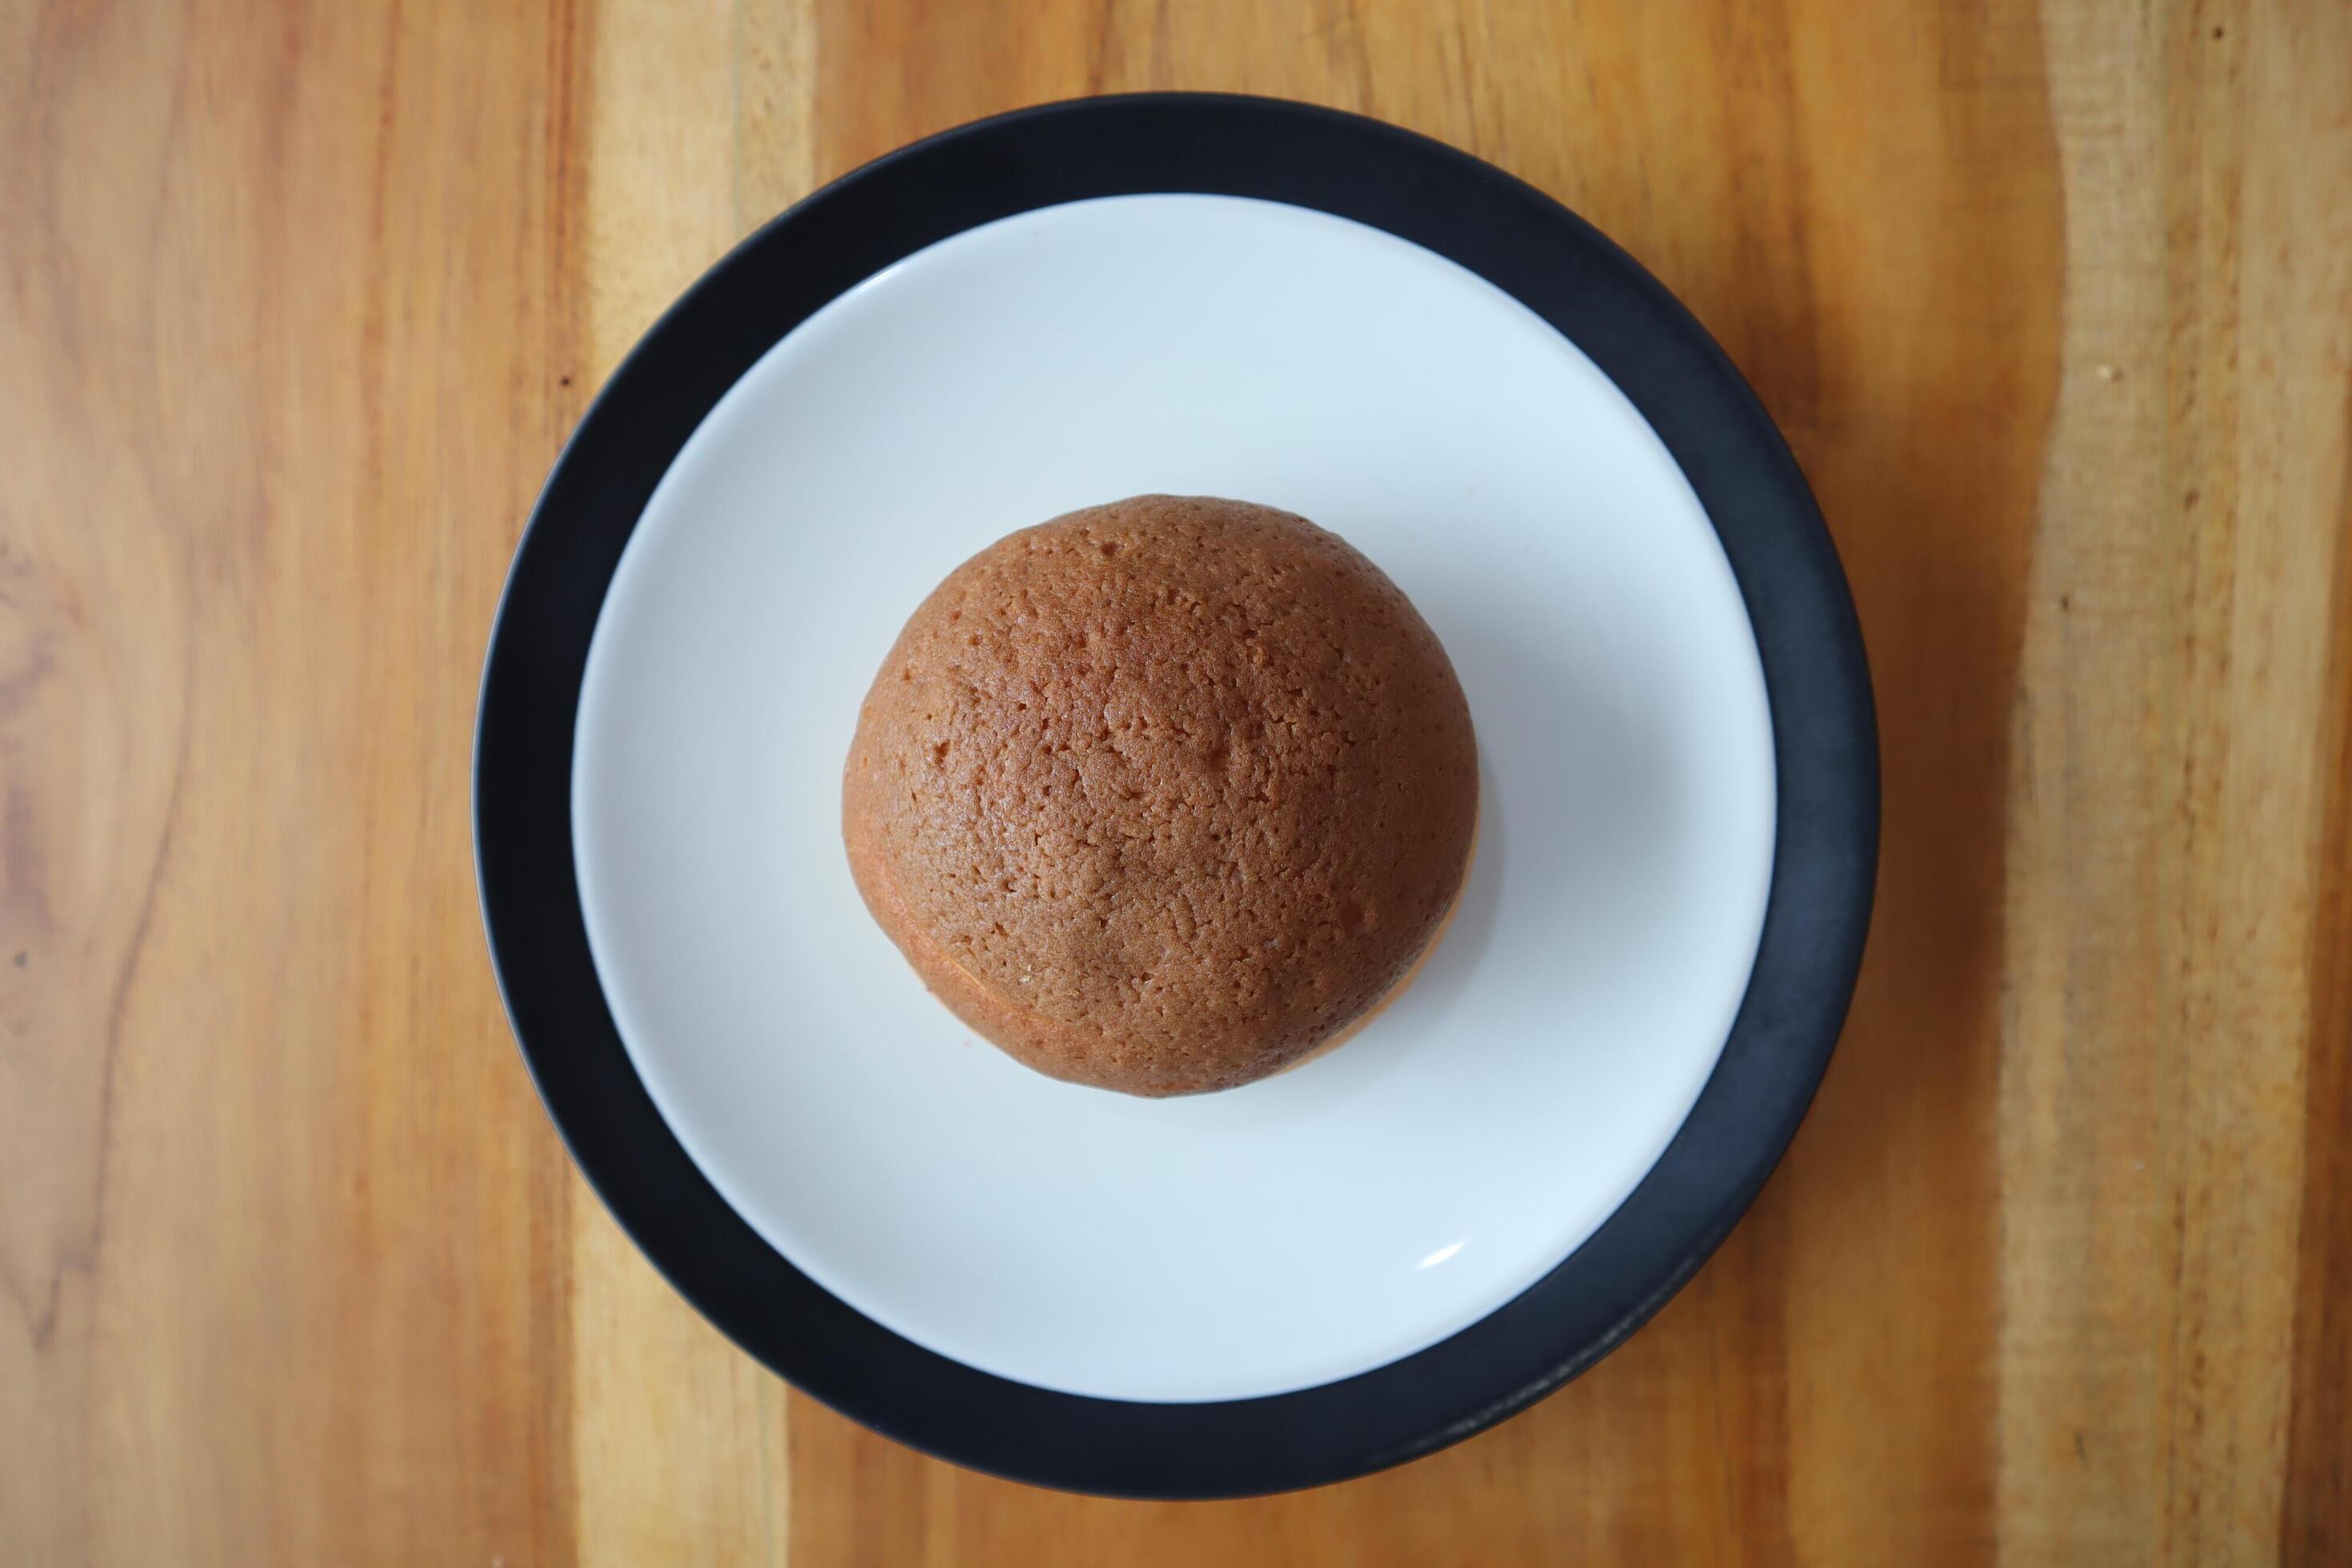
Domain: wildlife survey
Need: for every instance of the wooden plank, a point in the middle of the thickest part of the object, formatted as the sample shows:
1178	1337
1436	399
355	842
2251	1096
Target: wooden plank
1896	299
283	1235
2081	1431
2259	376
678	1440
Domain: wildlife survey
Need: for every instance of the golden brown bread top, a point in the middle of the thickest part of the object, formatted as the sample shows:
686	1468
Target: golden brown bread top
1160	794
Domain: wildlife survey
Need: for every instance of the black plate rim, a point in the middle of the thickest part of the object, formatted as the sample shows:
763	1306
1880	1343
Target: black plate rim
1817	682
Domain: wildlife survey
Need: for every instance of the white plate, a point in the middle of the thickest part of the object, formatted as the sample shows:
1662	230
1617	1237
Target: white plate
1326	1221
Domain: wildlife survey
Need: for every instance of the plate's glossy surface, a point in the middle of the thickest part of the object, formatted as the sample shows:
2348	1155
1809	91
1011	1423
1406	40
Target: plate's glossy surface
1549	613
1375	1200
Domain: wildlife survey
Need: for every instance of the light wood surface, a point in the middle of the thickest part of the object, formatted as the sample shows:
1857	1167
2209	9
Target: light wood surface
297	302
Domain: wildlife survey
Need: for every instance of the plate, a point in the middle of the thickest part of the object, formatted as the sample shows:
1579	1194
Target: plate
1402	1240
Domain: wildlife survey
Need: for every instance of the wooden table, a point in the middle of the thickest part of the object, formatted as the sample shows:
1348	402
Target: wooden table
300	300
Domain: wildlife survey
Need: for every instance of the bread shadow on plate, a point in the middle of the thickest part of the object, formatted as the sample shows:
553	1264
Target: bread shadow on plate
1577	799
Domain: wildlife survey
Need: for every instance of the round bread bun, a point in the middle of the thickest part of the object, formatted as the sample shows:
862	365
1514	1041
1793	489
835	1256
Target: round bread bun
1161	796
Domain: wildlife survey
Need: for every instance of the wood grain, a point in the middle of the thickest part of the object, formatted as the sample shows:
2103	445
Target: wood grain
2055	304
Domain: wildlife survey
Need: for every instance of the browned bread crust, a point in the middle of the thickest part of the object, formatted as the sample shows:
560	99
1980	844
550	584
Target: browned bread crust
1161	794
